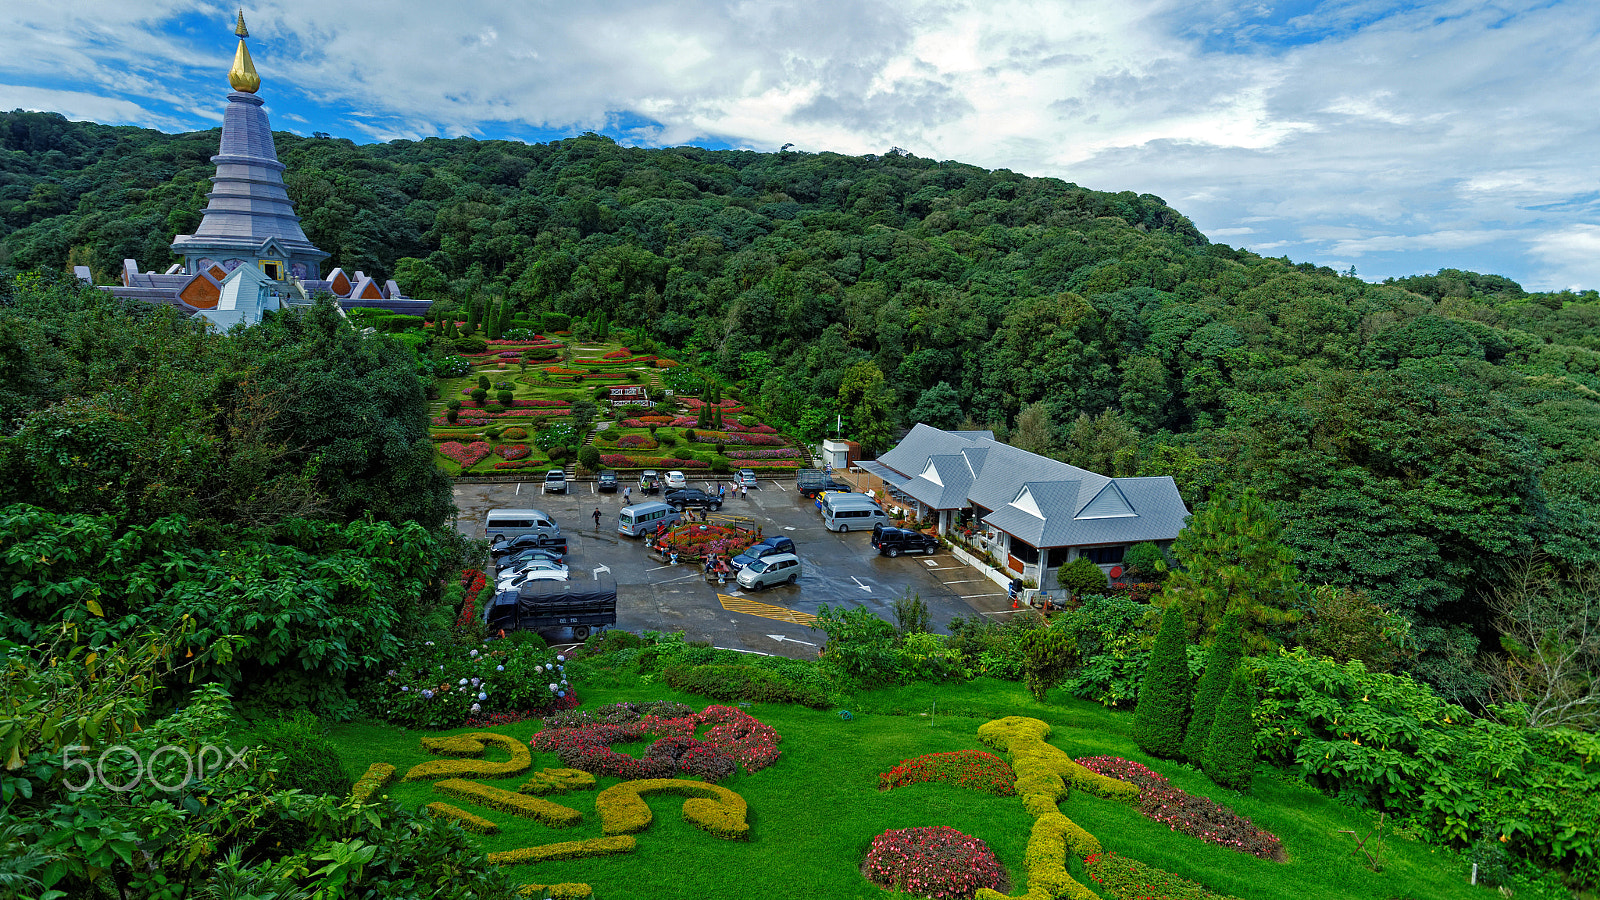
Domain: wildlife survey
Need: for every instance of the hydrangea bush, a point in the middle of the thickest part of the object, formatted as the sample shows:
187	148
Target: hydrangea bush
445	684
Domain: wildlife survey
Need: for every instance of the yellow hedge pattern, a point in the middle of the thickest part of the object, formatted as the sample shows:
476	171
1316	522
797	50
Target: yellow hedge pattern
463	818
605	846
377	776
556	781
711	808
553	814
1040	769
566	890
472	744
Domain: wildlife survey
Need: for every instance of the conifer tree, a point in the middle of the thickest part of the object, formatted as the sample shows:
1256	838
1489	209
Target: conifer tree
1230	758
1221	660
472	315
497	320
1165	692
1232	556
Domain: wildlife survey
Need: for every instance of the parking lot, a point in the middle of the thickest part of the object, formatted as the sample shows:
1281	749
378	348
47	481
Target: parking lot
837	569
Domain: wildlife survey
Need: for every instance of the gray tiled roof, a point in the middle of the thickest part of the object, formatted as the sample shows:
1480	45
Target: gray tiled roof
1039	500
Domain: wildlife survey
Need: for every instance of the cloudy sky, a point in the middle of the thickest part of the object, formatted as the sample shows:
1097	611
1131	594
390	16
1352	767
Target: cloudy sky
1396	137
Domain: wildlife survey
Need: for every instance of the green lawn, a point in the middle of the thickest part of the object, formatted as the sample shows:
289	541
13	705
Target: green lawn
815	812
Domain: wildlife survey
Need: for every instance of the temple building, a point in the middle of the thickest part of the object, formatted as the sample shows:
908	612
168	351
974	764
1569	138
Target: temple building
250	254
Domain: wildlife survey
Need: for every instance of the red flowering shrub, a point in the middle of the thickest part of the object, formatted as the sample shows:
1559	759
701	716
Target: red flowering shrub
933	862
466	456
558	370
583	741
964	768
637	442
622	353
785	453
620	461
697	541
473	580
515	433
1186	813
512	451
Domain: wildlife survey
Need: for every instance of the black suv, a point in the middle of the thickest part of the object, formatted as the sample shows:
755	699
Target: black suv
606	482
692	497
525	541
895	541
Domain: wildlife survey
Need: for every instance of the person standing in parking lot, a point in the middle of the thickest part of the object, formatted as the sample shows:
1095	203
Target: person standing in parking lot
597	518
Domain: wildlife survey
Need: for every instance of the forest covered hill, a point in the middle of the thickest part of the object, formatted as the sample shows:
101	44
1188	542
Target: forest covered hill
1415	437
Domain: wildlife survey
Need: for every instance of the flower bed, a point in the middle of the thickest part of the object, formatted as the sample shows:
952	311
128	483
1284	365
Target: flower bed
473	404
647	421
473	581
638	442
465	456
784	453
619	353
558	370
466	421
619	461
696	403
1186	813
584	741
695	541
933	862
512	451
523	464
973	769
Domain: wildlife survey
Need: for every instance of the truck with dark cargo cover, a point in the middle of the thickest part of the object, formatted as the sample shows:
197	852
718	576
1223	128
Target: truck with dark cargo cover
580	604
811	482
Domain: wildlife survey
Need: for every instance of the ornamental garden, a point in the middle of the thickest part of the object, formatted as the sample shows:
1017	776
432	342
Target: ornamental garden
529	400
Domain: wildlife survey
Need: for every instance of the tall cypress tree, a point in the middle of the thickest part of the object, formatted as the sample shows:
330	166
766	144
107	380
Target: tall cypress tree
1165	692
1221	660
1232	556
1230	758
472	315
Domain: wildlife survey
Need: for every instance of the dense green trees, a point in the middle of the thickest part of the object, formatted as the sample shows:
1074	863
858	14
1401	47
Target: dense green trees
1233	559
1409	435
1165	691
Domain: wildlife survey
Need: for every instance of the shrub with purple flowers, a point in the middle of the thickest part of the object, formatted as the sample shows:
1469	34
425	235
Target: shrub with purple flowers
1186	813
445	683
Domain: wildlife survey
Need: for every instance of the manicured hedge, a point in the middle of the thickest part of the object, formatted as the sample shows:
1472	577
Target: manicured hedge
606	846
713	809
553	814
378	776
556	781
747	683
474	823
521	760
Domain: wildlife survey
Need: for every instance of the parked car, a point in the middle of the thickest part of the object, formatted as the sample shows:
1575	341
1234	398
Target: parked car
745	478
555	481
514	580
783	568
772	546
579	604
606	482
530	565
693	497
529	555
823	495
676	481
649	482
891	542
522	542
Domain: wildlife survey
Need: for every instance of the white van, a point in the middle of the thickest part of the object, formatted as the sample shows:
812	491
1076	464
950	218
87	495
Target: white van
501	524
841	513
643	518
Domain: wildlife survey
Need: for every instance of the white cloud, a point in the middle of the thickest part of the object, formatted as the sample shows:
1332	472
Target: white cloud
1573	255
1350	127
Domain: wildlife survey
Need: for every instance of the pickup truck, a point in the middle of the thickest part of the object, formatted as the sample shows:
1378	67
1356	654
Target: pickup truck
581	604
811	482
555	481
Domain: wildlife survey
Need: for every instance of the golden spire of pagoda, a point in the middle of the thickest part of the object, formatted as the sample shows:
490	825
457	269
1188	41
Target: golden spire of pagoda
243	75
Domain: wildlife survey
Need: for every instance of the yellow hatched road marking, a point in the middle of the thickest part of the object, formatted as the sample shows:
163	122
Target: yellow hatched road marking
765	610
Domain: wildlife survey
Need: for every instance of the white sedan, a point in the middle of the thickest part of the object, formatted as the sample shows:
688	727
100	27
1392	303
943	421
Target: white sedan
511	578
676	481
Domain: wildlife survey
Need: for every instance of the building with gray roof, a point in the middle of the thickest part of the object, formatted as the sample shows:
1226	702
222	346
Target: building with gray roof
1034	513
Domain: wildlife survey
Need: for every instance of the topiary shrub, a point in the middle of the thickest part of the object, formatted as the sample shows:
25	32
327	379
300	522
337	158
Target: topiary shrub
479	395
515	433
483	382
747	683
1221	661
589	458
689	435
504	397
1230	758
310	760
454	404
1165	691
492	434
556	454
451	415
494	408
720	465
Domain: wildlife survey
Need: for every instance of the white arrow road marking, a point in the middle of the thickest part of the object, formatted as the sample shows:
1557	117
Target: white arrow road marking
860	585
780	639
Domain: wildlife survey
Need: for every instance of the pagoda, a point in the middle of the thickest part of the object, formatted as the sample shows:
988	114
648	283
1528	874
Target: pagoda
249	255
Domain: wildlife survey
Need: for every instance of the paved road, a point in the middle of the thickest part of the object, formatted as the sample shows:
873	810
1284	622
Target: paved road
837	569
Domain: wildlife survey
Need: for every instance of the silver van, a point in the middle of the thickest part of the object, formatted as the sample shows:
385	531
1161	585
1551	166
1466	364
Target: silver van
840	513
782	568
501	524
643	518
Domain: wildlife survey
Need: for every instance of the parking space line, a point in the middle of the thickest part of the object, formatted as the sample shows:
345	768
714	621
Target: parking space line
966	581
997	612
980	596
765	610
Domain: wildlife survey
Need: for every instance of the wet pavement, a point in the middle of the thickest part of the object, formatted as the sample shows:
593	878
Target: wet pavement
836	569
